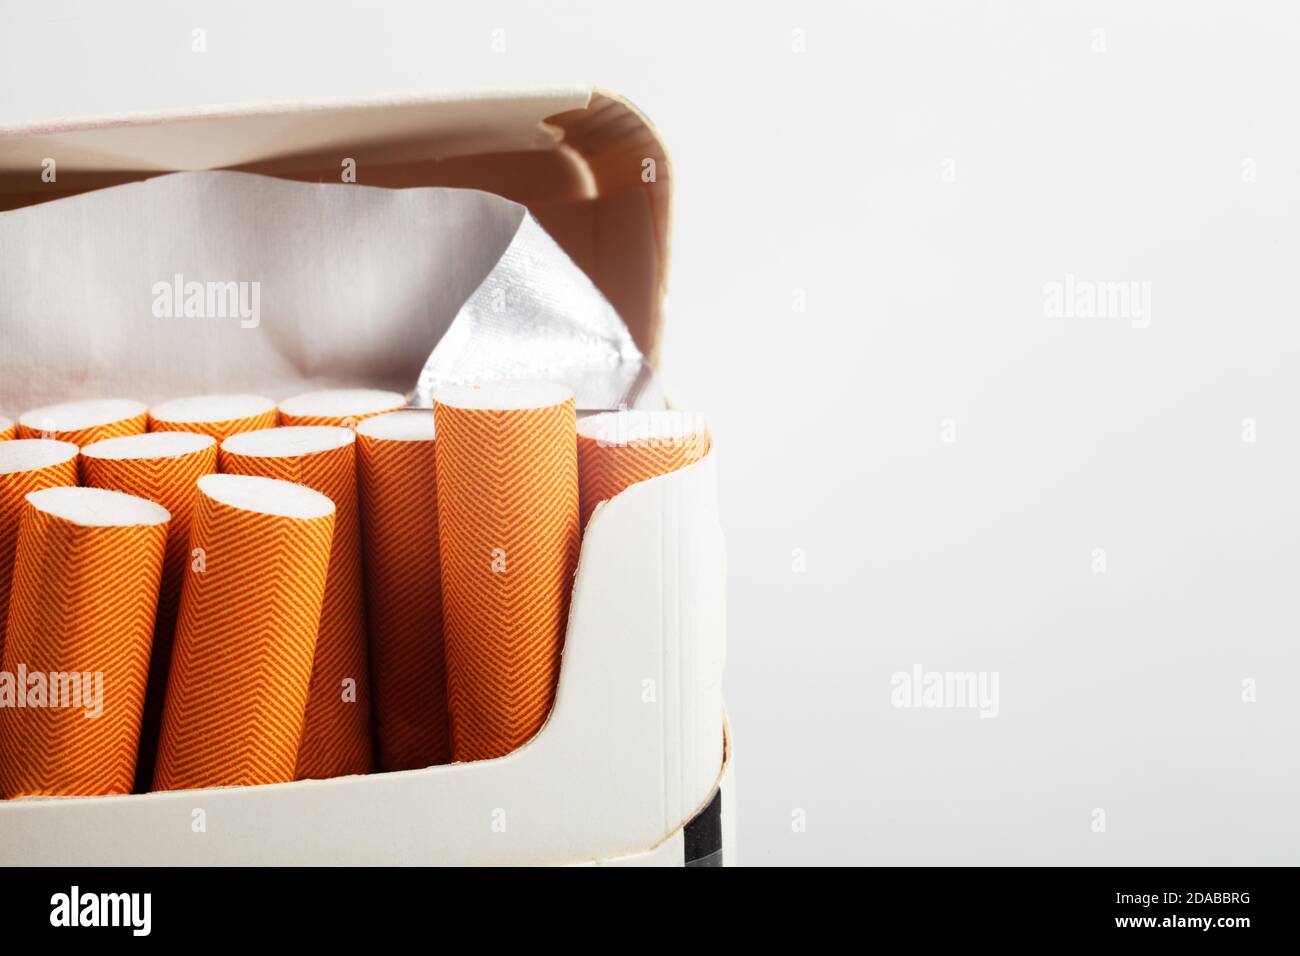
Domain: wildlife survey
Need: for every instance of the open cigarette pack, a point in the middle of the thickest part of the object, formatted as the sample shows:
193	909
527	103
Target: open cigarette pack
337	487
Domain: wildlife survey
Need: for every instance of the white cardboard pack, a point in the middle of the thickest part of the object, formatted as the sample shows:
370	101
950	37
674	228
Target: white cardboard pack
633	766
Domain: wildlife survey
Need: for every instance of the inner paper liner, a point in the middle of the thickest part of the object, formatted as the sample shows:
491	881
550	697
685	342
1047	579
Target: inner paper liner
225	282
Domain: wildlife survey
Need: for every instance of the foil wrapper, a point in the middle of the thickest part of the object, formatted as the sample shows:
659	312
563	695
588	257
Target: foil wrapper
538	317
218	281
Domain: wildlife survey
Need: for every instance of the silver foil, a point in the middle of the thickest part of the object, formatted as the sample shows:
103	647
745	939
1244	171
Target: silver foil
538	317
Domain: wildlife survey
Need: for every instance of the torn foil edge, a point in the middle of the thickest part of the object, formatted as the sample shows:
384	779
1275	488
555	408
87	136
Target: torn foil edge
537	316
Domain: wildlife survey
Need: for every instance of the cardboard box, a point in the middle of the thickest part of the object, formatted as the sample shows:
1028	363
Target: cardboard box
634	765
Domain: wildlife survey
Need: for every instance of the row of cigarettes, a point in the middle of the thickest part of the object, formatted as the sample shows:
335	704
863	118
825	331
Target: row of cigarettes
304	590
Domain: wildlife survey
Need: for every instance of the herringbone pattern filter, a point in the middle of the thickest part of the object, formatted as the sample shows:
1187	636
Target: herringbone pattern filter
165	469
188	415
609	464
507	481
344	407
336	736
117	418
82	604
403	590
8	429
245	642
26	465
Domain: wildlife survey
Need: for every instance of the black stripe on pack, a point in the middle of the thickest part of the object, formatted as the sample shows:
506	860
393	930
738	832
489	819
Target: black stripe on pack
704	835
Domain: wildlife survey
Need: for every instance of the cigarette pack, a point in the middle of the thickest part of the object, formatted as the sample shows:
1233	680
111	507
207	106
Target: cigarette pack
634	763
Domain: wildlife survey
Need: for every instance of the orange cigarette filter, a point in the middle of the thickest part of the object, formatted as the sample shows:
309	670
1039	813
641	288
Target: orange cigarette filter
248	620
344	407
81	619
219	416
163	467
84	422
26	465
618	449
395	467
507	483
336	735
8	430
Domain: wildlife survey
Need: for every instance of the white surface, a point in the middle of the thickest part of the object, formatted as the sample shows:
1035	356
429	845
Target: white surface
148	445
824	171
399	426
268	496
71	416
342	402
98	507
28	454
214	409
288	441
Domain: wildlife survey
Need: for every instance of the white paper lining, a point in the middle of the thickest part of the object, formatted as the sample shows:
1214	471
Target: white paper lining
225	282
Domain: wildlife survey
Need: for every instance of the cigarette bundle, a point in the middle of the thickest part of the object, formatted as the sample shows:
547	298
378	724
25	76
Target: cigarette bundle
162	467
81	618
395	458
26	465
336	736
249	613
8	429
217	415
618	449
322	558
84	422
507	484
338	406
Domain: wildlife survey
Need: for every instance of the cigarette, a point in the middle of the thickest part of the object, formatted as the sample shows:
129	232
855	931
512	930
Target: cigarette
507	485
217	415
162	467
338	406
26	465
81	619
84	422
246	636
336	737
395	459
618	449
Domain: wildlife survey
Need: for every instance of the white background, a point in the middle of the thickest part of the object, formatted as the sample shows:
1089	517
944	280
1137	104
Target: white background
920	171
